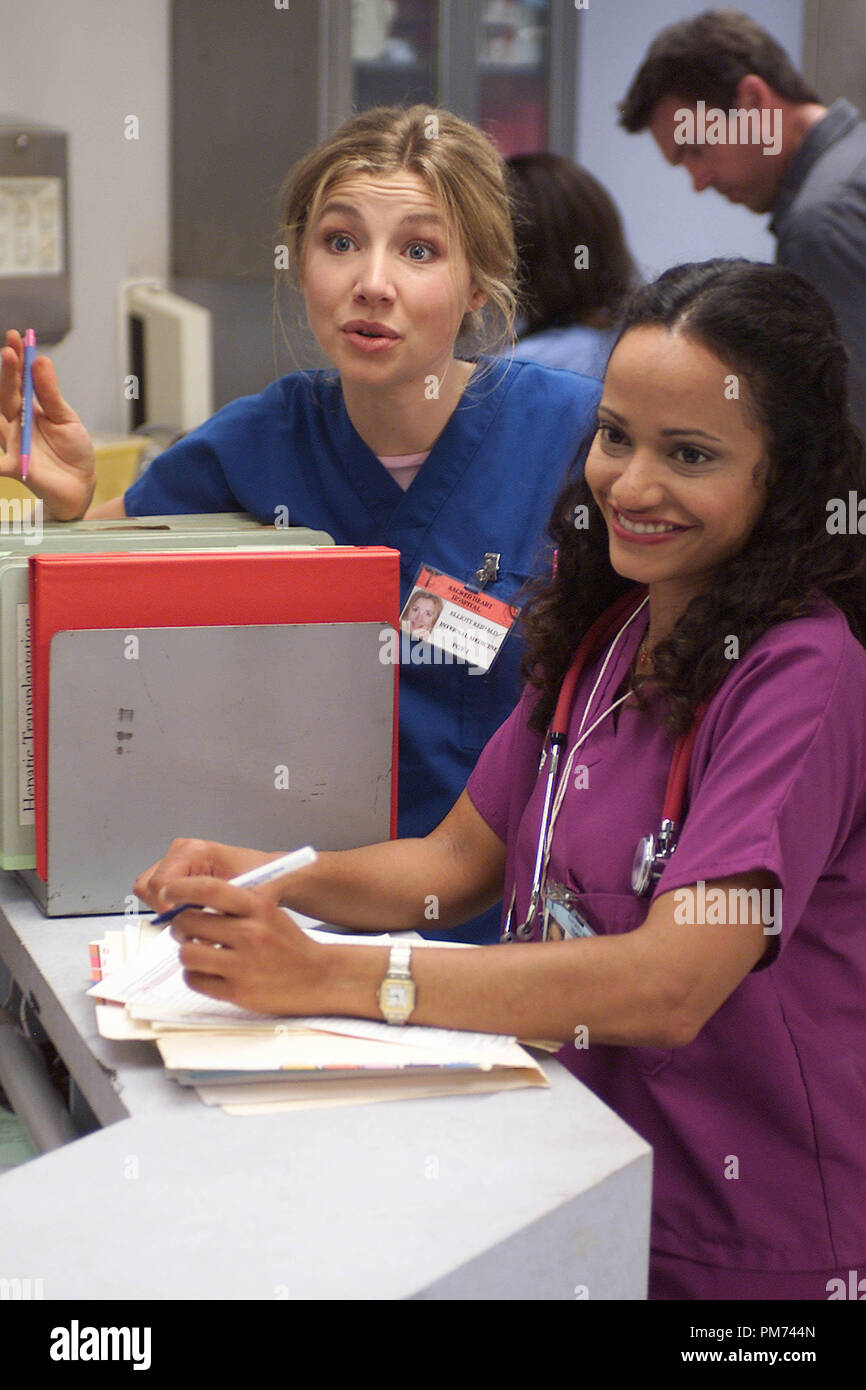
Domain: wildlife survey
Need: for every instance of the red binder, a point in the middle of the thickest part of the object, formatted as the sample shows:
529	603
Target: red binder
334	584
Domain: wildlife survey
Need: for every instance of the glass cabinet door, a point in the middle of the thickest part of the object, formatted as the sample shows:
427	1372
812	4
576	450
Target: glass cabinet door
395	52
508	65
513	86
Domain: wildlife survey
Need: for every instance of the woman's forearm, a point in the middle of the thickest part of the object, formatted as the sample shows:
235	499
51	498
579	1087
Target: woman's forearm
449	876
586	992
452	874
655	986
389	887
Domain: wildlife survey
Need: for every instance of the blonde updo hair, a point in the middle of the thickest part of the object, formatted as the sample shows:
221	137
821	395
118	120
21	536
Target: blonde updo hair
464	172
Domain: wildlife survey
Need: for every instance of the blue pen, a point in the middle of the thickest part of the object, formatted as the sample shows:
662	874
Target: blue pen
27	403
275	868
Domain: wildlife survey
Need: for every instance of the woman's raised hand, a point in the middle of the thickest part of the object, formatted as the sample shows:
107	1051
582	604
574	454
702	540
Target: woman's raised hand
62	471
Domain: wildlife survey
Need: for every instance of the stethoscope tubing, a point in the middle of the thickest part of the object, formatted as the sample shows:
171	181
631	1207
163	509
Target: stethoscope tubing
627	606
629	603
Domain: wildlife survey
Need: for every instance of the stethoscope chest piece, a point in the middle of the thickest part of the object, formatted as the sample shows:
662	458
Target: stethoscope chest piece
641	869
651	856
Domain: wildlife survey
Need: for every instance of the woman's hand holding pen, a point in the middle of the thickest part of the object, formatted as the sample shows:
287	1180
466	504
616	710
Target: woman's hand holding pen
245	949
62	471
208	858
250	952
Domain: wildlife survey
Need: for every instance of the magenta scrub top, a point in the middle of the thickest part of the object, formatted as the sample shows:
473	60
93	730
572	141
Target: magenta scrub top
776	1079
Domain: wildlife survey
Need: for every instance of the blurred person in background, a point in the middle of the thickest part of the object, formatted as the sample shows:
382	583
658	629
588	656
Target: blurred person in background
574	267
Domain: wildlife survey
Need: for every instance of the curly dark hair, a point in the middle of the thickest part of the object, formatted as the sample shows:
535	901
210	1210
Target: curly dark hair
780	336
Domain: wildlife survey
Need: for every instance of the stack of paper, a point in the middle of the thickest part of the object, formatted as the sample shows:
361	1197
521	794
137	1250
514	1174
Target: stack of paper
253	1063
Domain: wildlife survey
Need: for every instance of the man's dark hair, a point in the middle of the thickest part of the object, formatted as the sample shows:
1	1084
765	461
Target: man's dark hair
704	59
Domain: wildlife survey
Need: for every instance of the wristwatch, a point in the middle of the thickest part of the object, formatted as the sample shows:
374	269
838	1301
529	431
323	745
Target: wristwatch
397	990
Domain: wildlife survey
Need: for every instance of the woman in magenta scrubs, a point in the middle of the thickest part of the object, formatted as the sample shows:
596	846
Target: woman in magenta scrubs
721	1013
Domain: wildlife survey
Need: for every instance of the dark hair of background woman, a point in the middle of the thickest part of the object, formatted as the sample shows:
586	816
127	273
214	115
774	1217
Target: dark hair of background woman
779	336
559	207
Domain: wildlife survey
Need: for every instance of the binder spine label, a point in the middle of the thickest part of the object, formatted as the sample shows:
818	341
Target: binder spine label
26	803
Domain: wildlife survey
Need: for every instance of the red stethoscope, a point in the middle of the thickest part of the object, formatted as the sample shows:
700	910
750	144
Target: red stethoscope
653	851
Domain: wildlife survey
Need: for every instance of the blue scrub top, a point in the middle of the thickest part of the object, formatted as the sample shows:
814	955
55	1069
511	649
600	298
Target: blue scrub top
488	484
577	348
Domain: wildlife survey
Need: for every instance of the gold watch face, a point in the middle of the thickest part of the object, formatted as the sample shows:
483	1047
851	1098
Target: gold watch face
397	996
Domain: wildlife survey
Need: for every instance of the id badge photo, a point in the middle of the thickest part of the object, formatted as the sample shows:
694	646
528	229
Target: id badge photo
463	624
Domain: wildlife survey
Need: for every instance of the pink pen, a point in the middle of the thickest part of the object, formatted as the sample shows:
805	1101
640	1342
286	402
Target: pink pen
27	403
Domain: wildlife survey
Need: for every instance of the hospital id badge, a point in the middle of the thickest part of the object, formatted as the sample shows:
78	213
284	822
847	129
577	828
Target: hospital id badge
562	918
461	624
